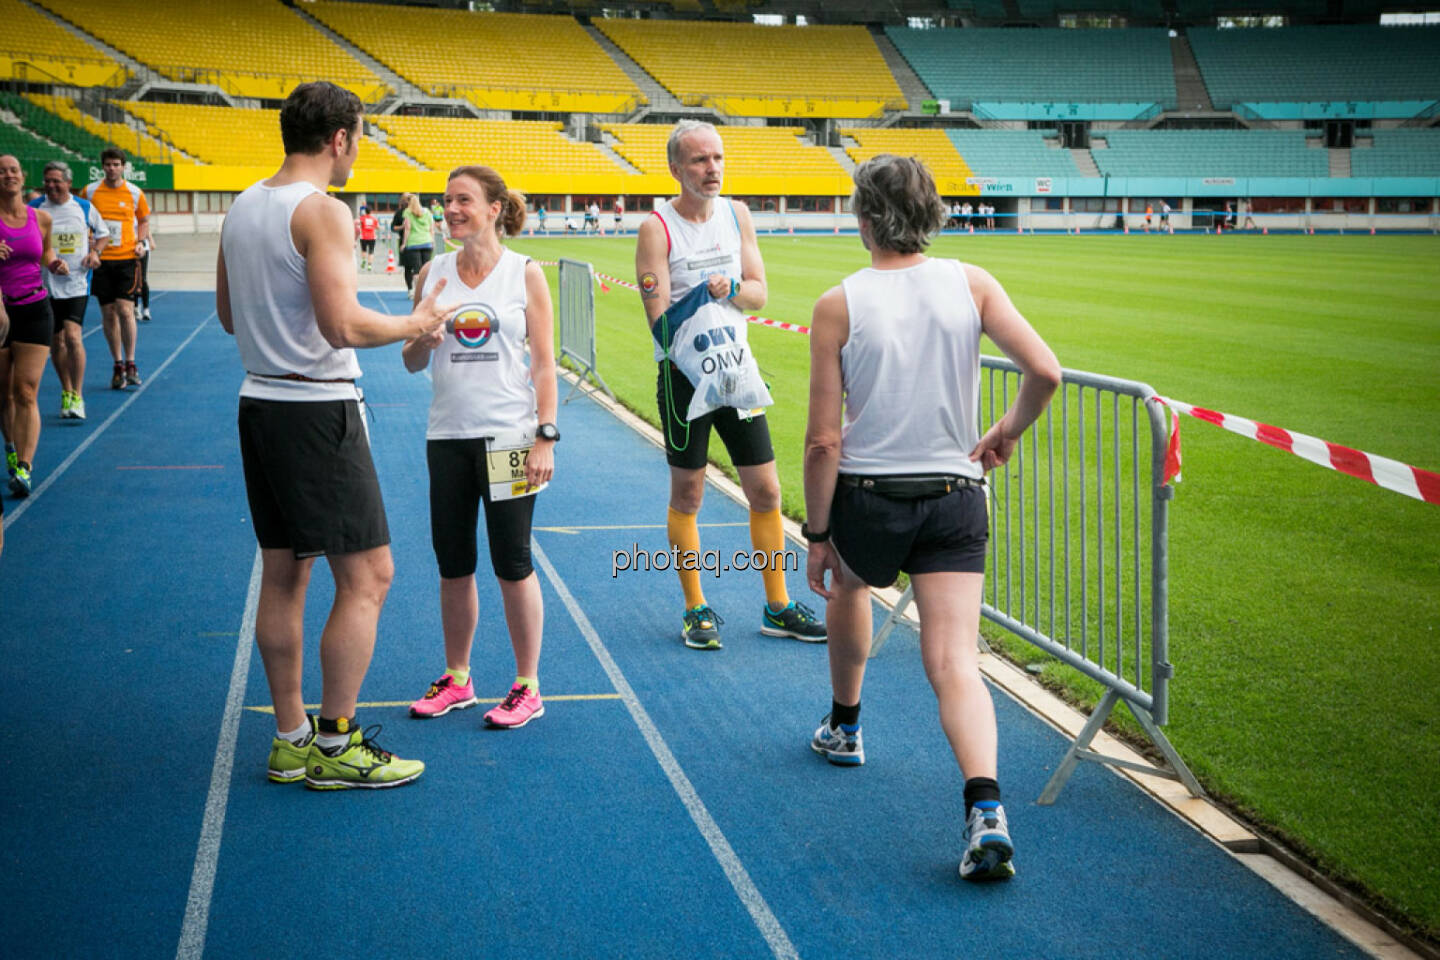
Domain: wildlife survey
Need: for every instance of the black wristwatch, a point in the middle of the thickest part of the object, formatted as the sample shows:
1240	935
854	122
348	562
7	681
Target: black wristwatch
812	536
547	431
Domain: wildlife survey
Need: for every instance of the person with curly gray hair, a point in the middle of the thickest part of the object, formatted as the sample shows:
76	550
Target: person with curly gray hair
895	471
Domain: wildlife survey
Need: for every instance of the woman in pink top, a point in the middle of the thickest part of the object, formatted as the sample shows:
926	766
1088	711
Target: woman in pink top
24	246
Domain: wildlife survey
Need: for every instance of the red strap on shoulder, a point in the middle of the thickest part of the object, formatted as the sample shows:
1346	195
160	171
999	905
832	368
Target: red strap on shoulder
668	244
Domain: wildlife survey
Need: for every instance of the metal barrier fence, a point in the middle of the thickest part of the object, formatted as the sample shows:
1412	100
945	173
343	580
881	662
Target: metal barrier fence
1078	562
577	323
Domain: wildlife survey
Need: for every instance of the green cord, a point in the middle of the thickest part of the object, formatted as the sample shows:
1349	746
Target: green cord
669	395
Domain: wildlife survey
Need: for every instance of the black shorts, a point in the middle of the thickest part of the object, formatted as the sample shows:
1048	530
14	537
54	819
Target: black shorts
415	257
30	323
687	443
116	280
367	246
459	482
68	308
309	477
878	536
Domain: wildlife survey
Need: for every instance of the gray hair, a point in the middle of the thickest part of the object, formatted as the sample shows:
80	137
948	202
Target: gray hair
896	196
61	166
682	130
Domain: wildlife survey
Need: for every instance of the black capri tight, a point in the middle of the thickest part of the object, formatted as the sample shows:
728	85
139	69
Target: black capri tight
459	483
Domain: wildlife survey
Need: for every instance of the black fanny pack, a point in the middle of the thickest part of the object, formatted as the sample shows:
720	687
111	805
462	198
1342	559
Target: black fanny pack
911	487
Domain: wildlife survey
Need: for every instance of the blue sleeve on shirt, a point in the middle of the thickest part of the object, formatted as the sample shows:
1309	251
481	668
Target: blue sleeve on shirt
681	310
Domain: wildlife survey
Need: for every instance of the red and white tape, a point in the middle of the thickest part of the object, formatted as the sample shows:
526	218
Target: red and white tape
1381	471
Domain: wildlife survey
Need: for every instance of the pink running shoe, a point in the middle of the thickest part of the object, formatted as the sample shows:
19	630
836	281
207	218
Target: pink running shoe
444	695
520	706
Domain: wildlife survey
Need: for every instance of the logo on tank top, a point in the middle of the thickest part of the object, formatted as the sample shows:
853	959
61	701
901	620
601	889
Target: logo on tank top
474	326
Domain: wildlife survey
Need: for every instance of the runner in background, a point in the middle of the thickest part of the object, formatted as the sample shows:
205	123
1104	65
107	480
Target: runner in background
367	227
80	236
117	281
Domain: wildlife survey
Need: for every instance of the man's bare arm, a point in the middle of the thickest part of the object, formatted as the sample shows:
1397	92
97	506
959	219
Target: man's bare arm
652	268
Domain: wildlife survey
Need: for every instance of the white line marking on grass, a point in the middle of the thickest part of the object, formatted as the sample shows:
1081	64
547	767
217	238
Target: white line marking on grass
17	512
749	894
207	854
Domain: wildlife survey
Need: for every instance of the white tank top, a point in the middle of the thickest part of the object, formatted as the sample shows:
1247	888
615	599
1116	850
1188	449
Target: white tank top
911	372
698	250
270	304
481	371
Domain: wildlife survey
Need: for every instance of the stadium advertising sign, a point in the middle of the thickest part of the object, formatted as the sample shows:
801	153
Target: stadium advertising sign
989	185
1219	181
149	177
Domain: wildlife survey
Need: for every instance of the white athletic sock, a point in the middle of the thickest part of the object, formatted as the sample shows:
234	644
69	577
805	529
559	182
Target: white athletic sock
299	736
332	741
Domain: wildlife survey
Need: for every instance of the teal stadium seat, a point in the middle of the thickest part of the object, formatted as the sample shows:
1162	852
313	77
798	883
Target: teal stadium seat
1399	153
1314	64
1044	65
1209	153
1012	153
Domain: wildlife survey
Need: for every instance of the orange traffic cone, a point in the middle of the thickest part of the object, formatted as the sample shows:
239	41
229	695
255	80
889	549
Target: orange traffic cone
390	260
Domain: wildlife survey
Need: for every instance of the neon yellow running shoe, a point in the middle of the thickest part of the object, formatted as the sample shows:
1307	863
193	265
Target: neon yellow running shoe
287	760
361	763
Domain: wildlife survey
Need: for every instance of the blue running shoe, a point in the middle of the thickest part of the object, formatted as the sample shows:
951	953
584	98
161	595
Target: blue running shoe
987	844
840	745
794	620
20	483
700	631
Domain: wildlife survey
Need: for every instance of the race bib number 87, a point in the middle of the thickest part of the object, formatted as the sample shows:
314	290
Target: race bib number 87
505	463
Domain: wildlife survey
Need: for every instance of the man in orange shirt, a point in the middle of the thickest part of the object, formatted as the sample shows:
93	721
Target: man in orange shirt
116	282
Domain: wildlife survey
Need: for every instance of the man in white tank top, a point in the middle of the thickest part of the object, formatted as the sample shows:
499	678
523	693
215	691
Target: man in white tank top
894	467
699	268
285	287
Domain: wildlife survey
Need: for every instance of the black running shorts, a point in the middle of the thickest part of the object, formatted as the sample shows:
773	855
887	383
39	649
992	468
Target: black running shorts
878	536
459	483
309	477
70	309
367	246
687	443
116	280
30	323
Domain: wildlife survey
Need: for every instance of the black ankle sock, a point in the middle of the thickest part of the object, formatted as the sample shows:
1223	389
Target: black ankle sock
978	789
333	728
23	465
839	713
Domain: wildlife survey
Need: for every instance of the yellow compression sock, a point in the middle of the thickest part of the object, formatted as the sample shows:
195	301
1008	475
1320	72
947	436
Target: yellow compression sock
529	682
684	534
461	676
767	533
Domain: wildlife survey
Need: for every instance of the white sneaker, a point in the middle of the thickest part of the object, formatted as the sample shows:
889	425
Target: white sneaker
77	409
988	849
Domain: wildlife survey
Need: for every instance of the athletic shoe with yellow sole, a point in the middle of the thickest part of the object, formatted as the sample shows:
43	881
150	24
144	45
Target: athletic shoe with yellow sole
359	764
287	760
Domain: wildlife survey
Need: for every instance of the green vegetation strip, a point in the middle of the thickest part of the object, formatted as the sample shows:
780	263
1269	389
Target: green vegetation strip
1303	603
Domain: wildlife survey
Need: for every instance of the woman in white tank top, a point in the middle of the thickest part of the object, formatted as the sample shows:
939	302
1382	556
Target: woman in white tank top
491	434
894	467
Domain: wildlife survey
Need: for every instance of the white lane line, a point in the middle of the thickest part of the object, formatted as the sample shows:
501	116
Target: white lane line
207	854
749	894
15	513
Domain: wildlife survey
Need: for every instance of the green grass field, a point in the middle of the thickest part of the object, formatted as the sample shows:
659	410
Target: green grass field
1303	603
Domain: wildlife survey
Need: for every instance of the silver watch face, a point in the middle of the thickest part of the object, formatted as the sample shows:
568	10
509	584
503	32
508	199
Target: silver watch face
547	431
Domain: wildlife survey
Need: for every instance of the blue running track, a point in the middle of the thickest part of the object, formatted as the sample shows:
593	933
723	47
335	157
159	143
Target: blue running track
667	805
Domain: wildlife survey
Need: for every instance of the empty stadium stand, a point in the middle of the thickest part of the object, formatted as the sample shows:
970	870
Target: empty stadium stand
770	151
1399	153
497	61
514	147
86	135
1042	65
1012	153
248	48
747	70
232	136
1208	153
933	147
35	49
1307	64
